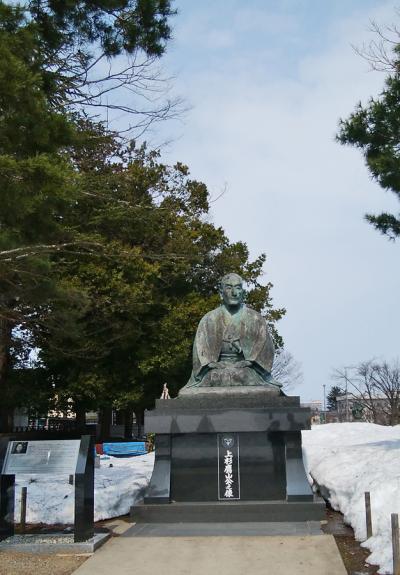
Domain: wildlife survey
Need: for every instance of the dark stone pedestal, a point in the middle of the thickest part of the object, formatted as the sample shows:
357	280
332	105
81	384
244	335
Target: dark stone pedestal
233	457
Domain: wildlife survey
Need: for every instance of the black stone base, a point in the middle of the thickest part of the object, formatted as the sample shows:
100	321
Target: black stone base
197	466
238	454
232	512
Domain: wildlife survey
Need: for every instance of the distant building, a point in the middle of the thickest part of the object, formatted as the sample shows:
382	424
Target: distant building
314	405
353	408
316	410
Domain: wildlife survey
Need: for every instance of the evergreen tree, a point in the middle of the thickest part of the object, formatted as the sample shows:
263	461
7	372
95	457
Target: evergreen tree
374	129
107	258
47	52
150	271
334	392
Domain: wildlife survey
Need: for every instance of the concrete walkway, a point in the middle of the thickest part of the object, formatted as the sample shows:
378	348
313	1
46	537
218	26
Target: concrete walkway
275	554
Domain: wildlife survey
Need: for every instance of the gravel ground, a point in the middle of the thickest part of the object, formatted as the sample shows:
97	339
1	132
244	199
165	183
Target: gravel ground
37	539
12	563
353	555
34	564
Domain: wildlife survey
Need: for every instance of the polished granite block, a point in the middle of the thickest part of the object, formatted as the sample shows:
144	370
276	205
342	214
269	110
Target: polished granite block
224	420
195	470
233	512
7	495
231	451
237	398
221	529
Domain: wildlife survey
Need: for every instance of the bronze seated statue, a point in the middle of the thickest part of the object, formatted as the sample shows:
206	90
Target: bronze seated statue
232	346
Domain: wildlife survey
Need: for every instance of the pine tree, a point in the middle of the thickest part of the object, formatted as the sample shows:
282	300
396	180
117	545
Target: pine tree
47	50
334	392
138	293
374	129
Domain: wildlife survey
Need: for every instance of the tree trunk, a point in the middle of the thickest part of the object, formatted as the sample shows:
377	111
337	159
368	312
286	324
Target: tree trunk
6	411
120	417
394	413
6	419
105	423
128	423
139	413
80	417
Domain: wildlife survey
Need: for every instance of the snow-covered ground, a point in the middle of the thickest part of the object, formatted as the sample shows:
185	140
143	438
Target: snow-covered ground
50	498
349	459
346	458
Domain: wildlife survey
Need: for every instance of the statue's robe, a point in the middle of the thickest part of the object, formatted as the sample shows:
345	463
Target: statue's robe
248	332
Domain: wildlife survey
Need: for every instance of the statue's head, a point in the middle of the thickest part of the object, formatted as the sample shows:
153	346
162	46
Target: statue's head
231	290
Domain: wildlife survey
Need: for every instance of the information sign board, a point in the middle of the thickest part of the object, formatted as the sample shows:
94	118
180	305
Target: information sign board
41	457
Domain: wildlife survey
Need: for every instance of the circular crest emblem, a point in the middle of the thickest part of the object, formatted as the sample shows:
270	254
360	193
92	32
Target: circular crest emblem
228	441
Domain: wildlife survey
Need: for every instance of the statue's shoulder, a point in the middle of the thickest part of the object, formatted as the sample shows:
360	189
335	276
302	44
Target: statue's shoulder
249	311
212	315
254	318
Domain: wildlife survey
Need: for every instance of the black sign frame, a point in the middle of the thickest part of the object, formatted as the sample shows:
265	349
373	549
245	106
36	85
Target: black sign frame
84	491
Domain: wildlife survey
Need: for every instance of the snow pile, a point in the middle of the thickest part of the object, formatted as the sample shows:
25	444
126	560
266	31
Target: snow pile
50	498
349	459
345	458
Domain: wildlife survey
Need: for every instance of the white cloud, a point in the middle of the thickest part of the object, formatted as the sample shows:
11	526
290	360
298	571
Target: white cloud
216	39
295	193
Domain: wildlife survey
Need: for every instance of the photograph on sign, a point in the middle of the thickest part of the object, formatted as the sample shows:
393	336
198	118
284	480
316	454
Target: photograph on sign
42	457
19	447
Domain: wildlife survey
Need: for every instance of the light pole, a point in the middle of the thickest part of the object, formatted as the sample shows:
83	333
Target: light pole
324	386
347	391
347	397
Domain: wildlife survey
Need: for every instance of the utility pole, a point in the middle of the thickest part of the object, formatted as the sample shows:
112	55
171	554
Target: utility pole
324	386
347	396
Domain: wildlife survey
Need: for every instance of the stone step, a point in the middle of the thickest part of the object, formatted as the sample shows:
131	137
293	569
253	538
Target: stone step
229	512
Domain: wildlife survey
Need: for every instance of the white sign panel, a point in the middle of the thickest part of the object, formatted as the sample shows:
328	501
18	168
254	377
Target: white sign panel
41	457
228	466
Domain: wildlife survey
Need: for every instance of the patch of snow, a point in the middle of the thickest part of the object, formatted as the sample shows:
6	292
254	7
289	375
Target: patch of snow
349	459
50	498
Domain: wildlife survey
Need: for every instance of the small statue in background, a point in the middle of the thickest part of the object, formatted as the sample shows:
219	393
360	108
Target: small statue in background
165	392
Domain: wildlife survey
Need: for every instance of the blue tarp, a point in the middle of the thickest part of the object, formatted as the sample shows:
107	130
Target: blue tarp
125	449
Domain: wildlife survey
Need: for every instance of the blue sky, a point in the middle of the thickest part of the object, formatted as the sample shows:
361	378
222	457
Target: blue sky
266	83
275	35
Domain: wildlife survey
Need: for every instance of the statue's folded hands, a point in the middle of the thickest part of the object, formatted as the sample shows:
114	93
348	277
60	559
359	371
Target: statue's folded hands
216	365
243	363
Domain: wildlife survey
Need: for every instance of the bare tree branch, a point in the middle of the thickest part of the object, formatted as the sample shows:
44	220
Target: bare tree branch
286	370
380	52
139	87
376	386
